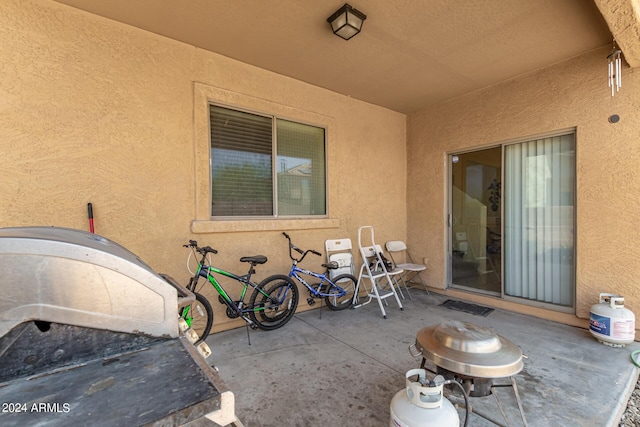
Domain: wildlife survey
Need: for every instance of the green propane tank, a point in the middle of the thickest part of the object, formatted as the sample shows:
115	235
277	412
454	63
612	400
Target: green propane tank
611	323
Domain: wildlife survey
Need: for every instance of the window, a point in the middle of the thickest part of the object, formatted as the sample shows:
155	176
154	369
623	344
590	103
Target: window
249	180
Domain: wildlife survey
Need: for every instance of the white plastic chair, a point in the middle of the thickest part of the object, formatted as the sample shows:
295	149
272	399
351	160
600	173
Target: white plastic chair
340	251
411	268
374	270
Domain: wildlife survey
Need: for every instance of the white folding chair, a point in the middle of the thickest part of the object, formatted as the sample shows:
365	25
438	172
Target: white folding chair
375	271
411	268
393	271
340	251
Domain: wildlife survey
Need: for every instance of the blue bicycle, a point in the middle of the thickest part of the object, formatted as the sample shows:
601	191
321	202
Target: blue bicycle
337	292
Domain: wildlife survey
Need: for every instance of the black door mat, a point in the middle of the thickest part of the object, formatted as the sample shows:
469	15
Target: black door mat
478	310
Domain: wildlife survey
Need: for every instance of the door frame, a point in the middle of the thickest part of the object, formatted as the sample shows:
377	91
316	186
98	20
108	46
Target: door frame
449	223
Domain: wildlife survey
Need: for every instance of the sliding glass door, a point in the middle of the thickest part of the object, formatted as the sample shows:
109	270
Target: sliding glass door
476	218
512	221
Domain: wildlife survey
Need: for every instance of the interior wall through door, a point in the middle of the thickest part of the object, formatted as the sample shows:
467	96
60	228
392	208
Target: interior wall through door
476	221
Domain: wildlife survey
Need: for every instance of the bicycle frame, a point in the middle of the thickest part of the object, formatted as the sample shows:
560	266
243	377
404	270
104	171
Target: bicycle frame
324	279
295	273
206	271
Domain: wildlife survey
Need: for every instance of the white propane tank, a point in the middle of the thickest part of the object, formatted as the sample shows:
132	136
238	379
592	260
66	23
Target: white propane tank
611	323
422	403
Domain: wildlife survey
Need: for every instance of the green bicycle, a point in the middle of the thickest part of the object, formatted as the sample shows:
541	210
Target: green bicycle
270	306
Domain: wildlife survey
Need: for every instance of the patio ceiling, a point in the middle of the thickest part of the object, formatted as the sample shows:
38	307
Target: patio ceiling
410	54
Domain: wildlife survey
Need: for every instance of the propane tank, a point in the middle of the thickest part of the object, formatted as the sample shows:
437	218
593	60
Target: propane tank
422	403
611	323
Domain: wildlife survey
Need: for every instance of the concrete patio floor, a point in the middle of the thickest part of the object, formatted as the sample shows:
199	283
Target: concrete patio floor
343	368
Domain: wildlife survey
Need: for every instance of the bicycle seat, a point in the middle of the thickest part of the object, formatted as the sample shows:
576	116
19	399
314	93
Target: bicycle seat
332	265
256	259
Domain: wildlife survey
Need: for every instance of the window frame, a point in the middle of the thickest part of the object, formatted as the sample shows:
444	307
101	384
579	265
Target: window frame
202	221
274	163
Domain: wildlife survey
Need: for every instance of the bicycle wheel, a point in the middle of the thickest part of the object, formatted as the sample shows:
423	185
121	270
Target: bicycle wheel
274	302
199	316
346	282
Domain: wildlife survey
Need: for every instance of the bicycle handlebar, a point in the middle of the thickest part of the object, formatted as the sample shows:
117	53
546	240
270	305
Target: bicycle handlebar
192	244
297	249
202	251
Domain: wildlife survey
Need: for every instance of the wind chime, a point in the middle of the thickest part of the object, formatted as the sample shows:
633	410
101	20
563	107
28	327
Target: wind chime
615	69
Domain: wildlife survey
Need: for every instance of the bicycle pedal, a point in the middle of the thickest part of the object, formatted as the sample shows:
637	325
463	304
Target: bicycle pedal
311	301
220	299
253	326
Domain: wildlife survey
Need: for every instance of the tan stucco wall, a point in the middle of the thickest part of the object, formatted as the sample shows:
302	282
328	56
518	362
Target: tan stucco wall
573	94
96	111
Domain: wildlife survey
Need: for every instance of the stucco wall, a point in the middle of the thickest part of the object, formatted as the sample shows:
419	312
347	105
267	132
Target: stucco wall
96	111
572	94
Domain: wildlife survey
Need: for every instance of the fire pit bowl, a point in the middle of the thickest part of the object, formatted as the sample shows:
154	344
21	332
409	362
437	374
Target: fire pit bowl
469	349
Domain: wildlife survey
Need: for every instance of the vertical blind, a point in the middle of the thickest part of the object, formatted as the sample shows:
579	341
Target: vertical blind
539	220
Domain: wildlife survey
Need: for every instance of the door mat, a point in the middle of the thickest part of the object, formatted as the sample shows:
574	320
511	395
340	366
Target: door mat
478	310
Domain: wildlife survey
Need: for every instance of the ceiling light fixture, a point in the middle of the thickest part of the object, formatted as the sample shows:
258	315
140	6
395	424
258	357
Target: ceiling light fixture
615	69
346	22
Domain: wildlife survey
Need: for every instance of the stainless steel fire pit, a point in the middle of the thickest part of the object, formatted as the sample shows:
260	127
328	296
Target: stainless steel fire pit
89	335
471	354
469	349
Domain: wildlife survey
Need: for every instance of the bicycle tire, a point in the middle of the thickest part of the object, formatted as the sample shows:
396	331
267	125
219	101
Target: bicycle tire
348	283
201	315
267	314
